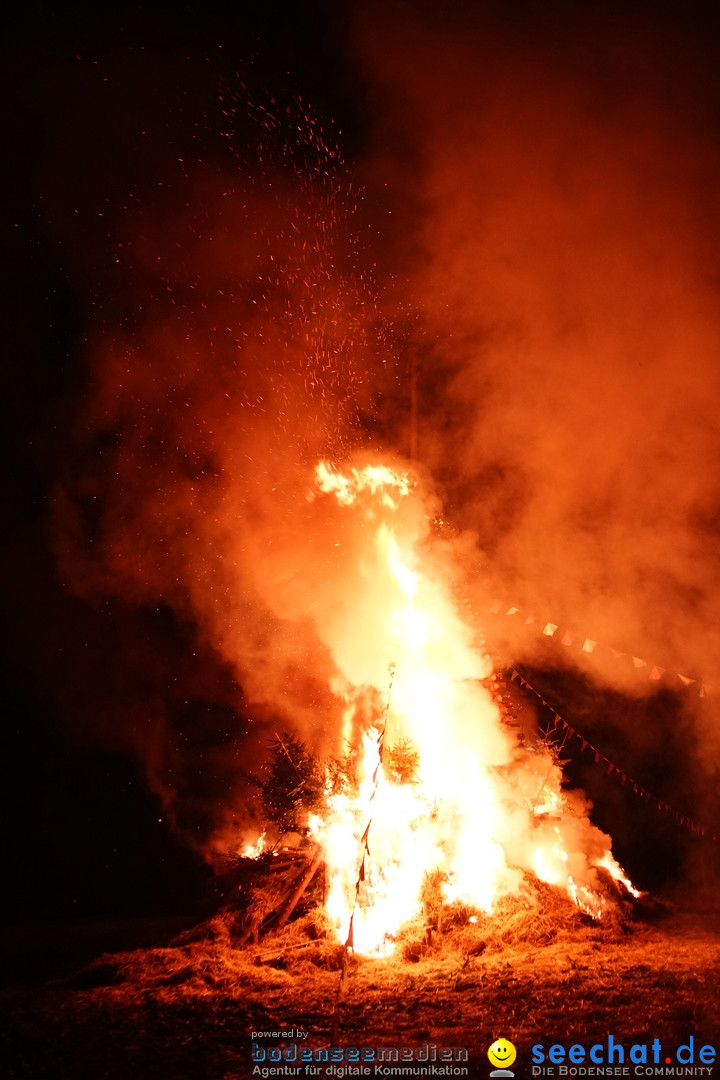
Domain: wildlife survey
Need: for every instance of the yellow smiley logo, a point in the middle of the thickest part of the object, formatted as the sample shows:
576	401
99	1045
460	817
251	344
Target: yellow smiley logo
502	1053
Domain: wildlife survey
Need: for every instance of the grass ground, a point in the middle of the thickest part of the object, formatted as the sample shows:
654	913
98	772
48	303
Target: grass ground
186	1010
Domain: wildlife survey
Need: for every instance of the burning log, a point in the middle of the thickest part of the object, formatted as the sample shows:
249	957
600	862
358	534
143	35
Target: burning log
302	885
460	790
262	919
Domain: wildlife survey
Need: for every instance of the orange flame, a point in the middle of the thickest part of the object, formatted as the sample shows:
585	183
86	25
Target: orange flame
479	809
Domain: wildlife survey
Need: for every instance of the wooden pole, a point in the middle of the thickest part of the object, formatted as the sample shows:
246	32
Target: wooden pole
300	888
256	926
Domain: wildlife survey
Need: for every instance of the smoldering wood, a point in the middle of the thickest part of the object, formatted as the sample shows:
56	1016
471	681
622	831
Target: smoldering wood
307	876
269	889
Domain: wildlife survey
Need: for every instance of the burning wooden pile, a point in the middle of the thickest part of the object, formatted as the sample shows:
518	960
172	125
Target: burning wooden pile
263	890
439	800
275	886
277	903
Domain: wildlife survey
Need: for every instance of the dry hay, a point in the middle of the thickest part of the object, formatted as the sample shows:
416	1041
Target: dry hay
189	1010
309	941
258	888
209	956
539	915
535	964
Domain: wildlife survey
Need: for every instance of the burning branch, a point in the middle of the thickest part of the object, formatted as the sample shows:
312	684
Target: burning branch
307	876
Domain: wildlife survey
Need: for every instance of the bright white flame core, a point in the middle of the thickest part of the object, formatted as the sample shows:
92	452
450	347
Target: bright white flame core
481	809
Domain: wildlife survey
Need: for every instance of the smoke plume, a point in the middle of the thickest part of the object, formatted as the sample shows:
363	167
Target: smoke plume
238	341
562	248
547	262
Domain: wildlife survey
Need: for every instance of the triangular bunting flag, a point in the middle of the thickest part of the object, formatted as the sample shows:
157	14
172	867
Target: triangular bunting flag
512	611
530	619
616	653
567	638
550	629
638	662
686	680
495	607
589	645
657	673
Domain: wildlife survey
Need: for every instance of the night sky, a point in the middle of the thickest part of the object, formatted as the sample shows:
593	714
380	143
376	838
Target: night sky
126	722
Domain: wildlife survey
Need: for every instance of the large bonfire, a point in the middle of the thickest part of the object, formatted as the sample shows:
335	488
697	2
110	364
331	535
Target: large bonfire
435	787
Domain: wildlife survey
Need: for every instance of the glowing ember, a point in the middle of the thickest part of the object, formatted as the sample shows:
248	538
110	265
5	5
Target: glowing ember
460	799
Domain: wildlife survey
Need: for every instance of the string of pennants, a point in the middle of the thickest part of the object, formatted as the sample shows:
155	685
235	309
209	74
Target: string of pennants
365	842
585	744
587	645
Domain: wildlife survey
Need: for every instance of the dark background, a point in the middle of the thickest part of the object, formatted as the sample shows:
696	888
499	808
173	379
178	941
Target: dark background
83	833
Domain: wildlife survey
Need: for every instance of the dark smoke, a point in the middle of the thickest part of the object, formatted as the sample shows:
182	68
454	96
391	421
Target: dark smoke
235	340
564	168
541	209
